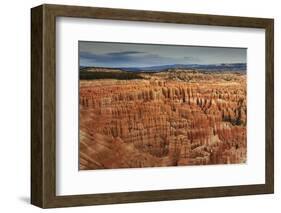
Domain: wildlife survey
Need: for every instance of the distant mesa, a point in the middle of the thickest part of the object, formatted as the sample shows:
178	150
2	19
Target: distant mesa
200	67
129	73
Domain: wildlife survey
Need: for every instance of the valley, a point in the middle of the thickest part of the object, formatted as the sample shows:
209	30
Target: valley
175	117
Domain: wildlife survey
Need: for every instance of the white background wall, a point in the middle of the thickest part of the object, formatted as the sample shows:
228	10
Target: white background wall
15	105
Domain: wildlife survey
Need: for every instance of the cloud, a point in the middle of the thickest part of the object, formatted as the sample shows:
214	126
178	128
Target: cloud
193	59
125	53
129	58
109	56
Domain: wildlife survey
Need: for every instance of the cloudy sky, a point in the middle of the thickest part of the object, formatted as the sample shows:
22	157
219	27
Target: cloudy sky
105	54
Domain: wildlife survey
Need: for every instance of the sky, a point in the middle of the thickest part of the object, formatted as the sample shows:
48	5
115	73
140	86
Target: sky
107	54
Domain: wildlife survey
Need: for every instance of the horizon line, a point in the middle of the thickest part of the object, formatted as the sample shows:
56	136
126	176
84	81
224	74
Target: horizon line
161	65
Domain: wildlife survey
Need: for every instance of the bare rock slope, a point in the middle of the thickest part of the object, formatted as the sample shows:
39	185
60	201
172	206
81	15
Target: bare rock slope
171	118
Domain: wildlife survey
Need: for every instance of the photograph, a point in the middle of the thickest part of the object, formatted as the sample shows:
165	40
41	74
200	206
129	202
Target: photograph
151	105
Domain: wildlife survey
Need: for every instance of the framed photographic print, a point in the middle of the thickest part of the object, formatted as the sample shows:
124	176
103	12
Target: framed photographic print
136	106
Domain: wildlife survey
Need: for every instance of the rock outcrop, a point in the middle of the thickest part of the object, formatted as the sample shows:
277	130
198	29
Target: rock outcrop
164	119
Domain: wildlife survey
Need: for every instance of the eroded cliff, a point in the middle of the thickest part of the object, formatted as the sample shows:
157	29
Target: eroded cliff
169	118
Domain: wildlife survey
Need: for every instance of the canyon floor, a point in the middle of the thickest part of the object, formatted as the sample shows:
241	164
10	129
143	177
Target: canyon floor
173	118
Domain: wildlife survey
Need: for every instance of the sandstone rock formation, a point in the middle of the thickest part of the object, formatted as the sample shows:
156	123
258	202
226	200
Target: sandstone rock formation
171	118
